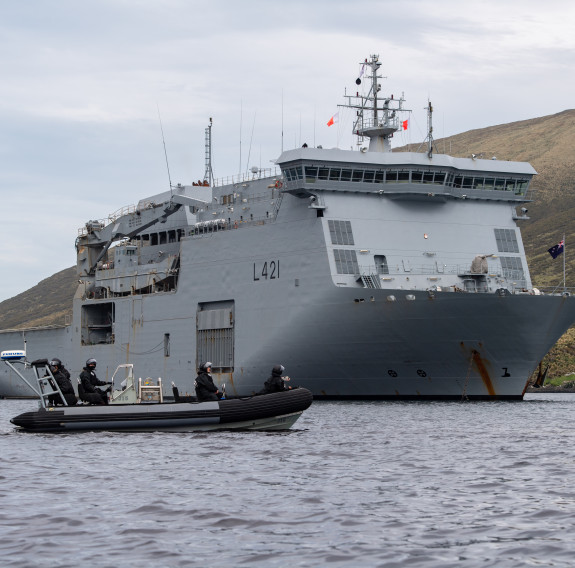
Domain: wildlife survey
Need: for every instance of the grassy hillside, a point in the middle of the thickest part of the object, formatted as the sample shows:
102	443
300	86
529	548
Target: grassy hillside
47	303
547	143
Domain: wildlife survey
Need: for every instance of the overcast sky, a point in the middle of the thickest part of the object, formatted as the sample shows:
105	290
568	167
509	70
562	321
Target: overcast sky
82	82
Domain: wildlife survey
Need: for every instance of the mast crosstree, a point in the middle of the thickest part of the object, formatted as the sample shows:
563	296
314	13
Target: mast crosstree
378	117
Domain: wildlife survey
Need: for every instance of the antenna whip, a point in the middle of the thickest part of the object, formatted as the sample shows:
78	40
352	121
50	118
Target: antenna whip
165	151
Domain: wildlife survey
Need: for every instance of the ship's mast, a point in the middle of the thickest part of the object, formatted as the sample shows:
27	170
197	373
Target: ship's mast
378	121
429	130
209	174
429	137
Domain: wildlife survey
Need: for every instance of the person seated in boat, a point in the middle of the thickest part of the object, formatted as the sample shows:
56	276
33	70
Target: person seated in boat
205	387
61	367
64	384
89	381
276	383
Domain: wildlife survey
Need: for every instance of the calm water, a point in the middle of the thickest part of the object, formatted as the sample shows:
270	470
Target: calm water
353	484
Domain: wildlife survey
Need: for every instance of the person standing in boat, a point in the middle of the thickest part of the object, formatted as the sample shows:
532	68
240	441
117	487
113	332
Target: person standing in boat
205	387
90	381
276	383
62	377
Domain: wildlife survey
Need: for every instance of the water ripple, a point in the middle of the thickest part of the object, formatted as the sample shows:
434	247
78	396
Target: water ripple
355	484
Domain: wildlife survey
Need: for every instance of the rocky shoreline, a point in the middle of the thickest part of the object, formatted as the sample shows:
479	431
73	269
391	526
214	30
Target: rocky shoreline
569	387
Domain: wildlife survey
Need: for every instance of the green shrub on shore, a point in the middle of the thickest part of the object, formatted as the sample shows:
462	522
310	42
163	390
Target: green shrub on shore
565	382
561	360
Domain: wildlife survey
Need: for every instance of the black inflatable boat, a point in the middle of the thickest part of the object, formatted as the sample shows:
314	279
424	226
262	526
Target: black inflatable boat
277	411
145	410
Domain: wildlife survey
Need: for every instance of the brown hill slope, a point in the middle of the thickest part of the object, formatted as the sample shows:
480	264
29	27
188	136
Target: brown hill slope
47	303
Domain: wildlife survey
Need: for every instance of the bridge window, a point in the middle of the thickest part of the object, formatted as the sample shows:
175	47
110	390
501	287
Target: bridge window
310	174
323	173
521	186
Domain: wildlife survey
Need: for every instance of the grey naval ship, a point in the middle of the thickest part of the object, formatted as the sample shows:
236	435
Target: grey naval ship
369	274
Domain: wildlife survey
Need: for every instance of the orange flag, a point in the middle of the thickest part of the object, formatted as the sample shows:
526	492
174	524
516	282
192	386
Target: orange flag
333	119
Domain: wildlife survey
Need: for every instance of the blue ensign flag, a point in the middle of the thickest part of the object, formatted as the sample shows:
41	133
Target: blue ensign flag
556	250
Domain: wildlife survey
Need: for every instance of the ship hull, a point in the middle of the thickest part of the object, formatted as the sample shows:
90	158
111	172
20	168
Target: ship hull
348	344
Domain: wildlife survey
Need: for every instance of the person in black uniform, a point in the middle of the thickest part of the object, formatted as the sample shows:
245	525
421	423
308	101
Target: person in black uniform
90	381
61	367
64	383
205	387
276	383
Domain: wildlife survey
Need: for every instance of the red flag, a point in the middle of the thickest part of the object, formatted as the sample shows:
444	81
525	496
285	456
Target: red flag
404	124
333	119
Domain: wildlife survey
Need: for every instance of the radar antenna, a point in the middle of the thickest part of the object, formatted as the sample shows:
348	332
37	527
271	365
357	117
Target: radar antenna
378	117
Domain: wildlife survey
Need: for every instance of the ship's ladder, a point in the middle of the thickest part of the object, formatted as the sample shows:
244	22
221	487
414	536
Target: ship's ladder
371	281
46	385
277	204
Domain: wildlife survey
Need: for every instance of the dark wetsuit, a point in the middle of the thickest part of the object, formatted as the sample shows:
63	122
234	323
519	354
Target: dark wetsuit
274	384
205	387
89	382
66	388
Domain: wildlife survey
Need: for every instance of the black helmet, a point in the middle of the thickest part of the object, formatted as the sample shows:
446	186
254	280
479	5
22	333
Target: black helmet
205	366
55	362
91	362
278	369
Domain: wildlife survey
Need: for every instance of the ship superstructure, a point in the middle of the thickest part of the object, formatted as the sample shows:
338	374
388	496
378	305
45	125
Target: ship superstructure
367	274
